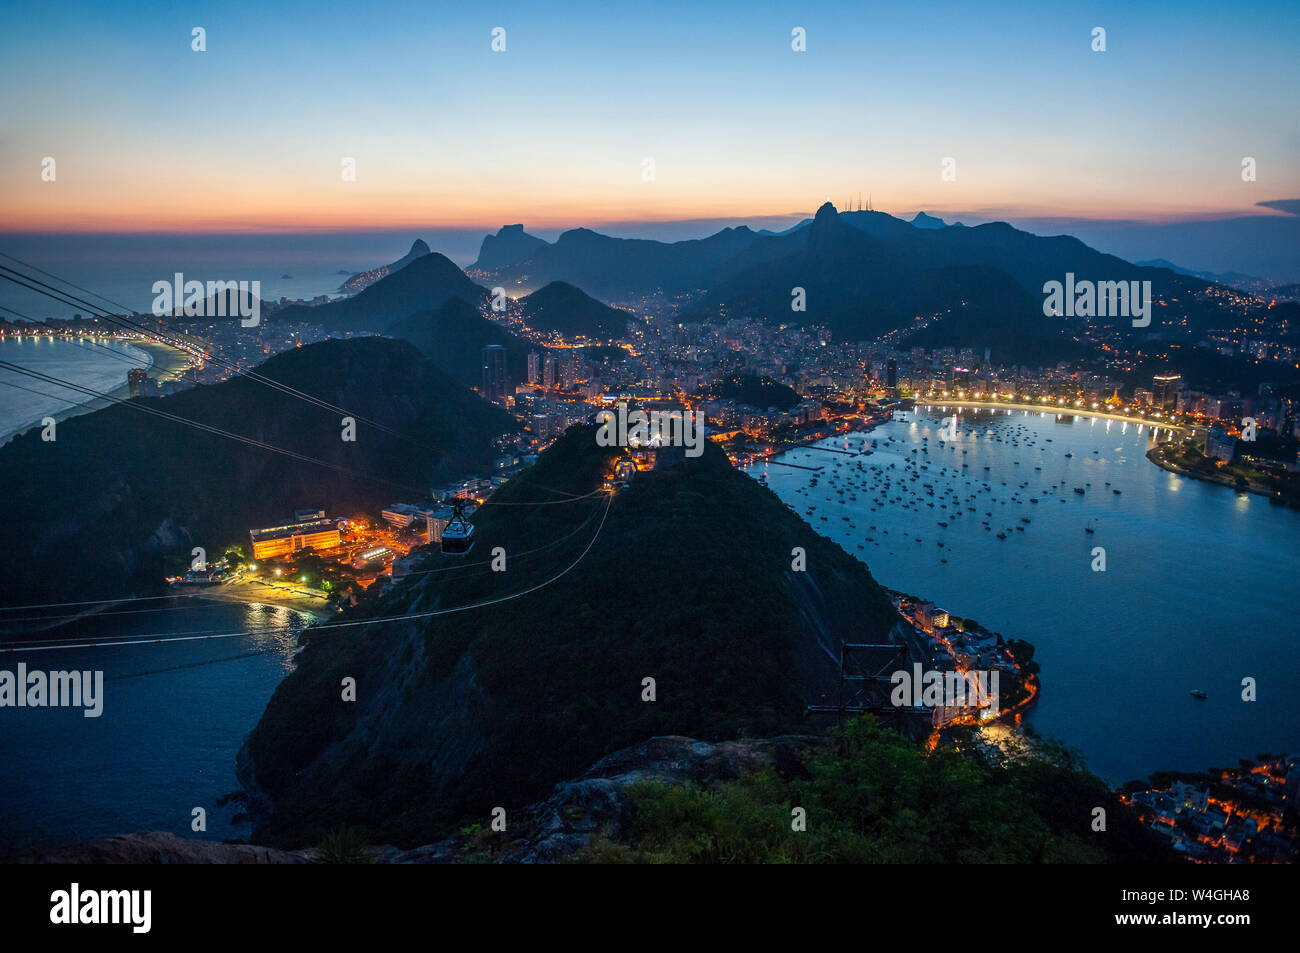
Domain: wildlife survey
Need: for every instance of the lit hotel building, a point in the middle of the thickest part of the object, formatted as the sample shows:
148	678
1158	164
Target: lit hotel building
284	540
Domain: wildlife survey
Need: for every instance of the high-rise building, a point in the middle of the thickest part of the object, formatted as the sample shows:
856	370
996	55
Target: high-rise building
569	370
548	370
891	373
534	367
494	373
1165	389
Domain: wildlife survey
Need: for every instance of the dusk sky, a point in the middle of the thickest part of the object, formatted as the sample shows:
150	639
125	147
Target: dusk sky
250	135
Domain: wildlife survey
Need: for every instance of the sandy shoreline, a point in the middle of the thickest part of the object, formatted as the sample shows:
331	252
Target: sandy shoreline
247	591
164	363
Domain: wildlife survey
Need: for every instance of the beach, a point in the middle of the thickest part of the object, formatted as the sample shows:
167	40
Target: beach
161	361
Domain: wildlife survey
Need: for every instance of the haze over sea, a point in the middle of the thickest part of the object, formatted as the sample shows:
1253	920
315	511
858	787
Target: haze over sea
1197	576
123	268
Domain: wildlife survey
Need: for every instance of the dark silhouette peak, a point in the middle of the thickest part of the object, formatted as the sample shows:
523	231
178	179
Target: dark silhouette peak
509	246
577	233
419	248
827	211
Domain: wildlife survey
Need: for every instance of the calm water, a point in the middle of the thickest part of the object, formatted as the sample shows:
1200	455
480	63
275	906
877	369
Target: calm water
174	716
24	401
1199	589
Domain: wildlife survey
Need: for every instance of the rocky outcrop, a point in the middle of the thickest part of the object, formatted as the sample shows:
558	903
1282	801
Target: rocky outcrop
509	246
597	804
462	711
157	847
550	831
364	279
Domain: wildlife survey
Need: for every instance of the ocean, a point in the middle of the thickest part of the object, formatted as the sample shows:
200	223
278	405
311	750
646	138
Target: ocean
1198	589
25	401
174	716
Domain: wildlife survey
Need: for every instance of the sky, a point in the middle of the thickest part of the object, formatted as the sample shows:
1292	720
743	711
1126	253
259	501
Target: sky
250	135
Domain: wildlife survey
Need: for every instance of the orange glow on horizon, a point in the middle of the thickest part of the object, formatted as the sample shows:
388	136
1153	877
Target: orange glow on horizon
224	207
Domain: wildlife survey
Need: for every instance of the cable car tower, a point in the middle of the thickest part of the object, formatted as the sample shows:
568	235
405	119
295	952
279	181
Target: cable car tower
861	692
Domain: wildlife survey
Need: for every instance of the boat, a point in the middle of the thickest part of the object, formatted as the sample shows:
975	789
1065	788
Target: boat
1079	490
1091	527
1197	693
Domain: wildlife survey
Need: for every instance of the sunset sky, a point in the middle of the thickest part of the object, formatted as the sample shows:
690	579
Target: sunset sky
148	135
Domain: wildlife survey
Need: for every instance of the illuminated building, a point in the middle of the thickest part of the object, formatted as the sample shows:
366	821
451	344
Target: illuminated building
494	373
1220	445
284	540
373	558
432	520
1165	389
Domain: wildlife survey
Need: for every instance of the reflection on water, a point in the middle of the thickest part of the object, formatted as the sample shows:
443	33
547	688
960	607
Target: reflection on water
1197	592
174	717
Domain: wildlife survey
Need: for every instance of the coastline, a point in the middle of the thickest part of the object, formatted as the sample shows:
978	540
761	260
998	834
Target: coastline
1157	457
243	592
170	362
256	592
1050	409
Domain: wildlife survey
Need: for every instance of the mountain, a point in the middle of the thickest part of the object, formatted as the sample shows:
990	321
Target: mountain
453	336
684	577
121	497
867	273
427	282
760	392
511	244
562	308
507	702
364	279
923	220
864	274
230	304
1230	279
622	268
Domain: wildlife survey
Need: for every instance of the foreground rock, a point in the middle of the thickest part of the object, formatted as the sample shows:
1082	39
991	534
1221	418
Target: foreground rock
157	847
597	804
551	831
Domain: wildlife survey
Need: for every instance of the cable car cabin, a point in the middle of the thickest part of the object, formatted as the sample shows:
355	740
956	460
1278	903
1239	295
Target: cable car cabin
457	535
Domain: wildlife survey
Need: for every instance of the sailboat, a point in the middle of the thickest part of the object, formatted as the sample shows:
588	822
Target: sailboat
1091	527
